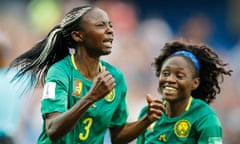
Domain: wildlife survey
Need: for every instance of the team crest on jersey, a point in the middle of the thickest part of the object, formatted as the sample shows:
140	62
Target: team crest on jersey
182	128
77	87
110	96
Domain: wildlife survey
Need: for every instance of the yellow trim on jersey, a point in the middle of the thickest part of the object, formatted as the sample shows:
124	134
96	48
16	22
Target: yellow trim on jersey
189	103
75	66
100	66
73	61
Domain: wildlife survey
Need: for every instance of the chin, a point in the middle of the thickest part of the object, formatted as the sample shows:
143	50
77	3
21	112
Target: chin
169	98
107	50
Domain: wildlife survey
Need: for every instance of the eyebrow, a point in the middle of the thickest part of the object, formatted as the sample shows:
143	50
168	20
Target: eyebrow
170	67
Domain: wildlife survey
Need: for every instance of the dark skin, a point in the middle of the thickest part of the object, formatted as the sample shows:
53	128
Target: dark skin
94	41
176	82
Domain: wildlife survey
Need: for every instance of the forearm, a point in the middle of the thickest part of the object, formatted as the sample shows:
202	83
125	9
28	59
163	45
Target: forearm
130	131
60	124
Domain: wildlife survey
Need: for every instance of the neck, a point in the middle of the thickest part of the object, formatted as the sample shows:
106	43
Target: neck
174	109
87	66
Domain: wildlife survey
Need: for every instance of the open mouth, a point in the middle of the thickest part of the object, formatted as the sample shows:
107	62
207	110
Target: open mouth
108	40
169	90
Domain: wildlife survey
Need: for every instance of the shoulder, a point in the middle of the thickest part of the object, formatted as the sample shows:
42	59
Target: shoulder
61	66
202	107
65	63
206	114
60	70
111	67
116	72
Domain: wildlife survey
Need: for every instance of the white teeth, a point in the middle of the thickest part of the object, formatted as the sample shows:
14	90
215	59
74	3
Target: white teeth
108	43
170	89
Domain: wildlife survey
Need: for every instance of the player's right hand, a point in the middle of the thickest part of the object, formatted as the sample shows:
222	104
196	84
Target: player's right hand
155	108
103	84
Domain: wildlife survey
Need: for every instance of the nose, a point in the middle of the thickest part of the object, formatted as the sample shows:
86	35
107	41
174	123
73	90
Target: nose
109	30
171	78
167	79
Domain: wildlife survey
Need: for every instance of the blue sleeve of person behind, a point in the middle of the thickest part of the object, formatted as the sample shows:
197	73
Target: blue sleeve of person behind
22	85
10	103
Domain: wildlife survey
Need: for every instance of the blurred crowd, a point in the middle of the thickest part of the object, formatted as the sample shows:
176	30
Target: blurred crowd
137	42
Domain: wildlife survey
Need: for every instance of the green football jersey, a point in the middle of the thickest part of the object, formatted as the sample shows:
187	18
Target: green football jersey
65	86
198	124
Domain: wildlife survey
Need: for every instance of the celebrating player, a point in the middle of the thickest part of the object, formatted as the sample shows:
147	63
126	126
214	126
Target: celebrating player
188	81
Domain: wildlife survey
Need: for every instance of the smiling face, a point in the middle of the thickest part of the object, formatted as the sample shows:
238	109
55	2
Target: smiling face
97	32
176	80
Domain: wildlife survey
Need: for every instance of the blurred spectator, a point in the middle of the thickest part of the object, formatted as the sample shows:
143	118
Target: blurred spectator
31	121
17	37
230	110
153	33
122	14
198	28
150	34
44	14
9	103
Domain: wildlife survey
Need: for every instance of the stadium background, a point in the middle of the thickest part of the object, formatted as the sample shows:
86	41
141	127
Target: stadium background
141	28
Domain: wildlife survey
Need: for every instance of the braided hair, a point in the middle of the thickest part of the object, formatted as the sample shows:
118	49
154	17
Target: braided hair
54	47
212	71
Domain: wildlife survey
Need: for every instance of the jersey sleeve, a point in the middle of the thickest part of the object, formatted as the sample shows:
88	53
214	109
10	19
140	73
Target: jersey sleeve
210	130
121	114
55	92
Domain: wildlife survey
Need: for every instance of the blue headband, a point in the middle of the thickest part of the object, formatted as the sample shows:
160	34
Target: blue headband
189	55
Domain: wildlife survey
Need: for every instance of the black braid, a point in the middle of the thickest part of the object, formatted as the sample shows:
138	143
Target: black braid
54	47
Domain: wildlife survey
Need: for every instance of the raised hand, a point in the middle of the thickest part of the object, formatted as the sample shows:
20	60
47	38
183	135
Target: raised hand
155	108
103	83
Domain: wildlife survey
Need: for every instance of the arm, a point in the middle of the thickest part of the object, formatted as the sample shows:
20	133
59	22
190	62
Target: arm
131	130
59	124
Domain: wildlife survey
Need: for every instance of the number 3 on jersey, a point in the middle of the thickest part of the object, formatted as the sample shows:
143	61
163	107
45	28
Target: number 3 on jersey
88	123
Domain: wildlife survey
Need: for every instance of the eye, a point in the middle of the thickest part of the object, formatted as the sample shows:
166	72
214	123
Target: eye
165	73
104	24
180	75
100	24
110	24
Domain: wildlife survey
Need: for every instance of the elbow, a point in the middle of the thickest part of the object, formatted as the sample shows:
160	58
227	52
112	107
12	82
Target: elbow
51	132
52	136
117	137
53	128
